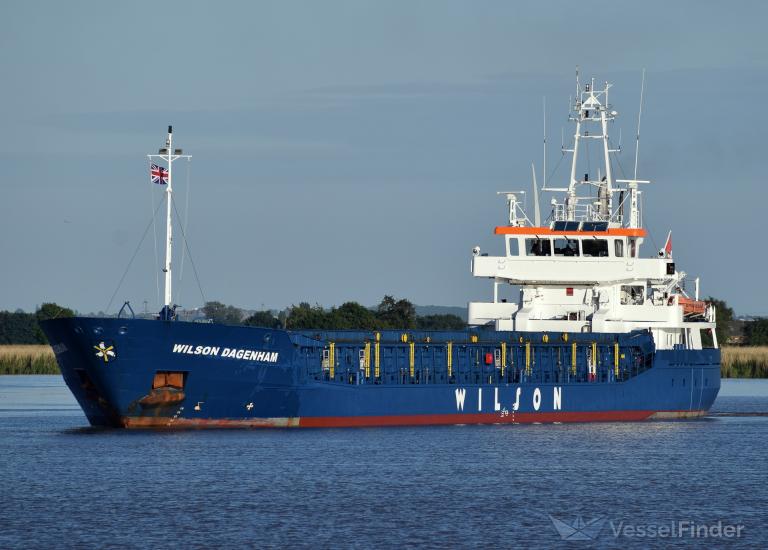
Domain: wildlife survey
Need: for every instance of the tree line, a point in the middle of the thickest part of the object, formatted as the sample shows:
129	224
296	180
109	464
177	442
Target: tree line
19	327
752	333
391	313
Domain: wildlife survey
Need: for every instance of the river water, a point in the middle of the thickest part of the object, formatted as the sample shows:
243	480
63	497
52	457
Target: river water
695	483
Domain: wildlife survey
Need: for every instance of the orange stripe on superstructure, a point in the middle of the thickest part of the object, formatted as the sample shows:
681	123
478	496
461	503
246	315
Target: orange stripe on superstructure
619	232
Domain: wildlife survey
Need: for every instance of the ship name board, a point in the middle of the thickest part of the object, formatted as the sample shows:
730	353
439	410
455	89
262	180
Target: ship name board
231	353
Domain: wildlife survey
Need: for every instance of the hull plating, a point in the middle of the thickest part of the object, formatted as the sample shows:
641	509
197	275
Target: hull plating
251	378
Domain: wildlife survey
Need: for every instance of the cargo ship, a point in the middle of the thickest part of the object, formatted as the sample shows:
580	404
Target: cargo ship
599	333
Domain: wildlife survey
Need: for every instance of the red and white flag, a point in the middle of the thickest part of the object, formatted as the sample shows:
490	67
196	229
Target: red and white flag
158	174
668	245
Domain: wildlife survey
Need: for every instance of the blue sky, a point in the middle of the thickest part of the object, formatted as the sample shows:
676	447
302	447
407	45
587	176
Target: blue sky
344	150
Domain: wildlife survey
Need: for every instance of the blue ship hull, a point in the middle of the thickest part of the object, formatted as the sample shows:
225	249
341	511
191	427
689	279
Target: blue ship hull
142	373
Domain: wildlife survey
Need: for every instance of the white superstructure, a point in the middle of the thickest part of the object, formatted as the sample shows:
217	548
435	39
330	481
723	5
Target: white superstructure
582	272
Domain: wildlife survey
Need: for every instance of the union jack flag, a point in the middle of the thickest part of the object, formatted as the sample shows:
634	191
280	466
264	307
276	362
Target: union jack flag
159	174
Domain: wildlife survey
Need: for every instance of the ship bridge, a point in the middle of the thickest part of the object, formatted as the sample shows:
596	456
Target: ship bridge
582	270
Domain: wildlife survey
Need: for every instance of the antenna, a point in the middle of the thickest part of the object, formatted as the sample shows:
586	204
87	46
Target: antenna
536	211
544	169
639	117
578	84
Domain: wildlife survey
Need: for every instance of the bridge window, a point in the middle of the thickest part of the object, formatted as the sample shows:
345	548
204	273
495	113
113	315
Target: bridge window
538	247
632	295
633	248
618	248
595	247
566	247
514	246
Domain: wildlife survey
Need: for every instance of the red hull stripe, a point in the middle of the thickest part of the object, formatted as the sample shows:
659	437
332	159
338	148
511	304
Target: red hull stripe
403	420
468	418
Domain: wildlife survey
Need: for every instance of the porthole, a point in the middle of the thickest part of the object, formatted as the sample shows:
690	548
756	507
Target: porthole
98	330
122	330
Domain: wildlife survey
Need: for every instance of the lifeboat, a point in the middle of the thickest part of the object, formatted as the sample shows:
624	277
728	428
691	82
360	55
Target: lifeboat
692	307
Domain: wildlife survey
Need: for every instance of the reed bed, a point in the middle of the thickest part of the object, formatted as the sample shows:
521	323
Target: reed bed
18	359
737	362
744	362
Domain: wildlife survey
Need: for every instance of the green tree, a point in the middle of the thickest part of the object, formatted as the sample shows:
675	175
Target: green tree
222	314
446	321
354	316
283	318
49	310
262	319
390	314
756	332
305	316
52	310
19	328
395	314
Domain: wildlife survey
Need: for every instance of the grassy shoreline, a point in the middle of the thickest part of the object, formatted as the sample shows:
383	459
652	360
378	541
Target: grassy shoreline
738	362
27	359
744	362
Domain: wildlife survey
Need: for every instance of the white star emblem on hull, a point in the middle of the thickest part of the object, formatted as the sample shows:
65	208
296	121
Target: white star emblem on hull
104	352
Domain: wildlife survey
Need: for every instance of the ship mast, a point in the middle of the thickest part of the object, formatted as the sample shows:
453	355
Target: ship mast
169	155
168	221
592	110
